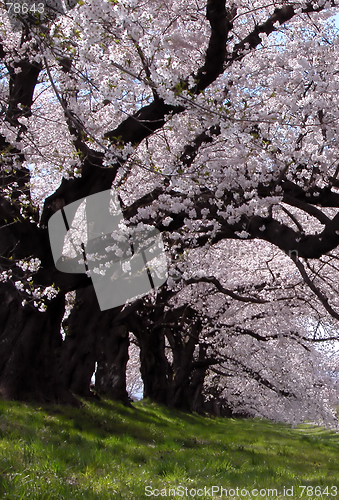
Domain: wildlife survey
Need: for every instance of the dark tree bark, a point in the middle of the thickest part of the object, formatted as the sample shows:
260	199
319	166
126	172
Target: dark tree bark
184	391
195	389
28	340
187	382
110	379
78	353
94	336
154	367
177	383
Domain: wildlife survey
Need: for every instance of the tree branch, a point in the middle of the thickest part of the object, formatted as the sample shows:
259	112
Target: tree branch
323	299
281	16
225	291
220	20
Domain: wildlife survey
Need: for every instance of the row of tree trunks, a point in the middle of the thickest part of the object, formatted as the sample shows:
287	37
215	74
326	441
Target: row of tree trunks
171	360
36	364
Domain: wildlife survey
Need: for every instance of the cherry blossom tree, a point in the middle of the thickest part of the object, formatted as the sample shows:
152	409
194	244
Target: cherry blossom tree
217	124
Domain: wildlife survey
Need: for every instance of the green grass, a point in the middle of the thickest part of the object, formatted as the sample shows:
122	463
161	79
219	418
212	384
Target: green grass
106	451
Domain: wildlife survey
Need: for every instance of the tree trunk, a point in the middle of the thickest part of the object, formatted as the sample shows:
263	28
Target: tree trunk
195	390
28	341
178	383
110	378
94	336
184	390
79	349
155	369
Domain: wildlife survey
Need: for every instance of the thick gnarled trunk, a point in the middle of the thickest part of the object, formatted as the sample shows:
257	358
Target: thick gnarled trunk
94	340
154	367
79	349
110	377
28	343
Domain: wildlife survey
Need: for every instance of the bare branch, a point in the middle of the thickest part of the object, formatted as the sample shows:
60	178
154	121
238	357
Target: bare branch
323	299
225	291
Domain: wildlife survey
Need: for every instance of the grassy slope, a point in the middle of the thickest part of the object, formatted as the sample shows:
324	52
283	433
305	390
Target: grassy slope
106	451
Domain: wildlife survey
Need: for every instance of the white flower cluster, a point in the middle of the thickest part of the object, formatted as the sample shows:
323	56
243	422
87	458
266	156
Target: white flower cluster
31	265
19	286
242	234
49	293
5	276
35	296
